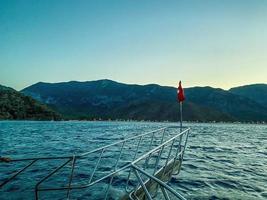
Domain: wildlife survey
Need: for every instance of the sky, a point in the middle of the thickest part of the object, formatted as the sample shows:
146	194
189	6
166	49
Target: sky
220	43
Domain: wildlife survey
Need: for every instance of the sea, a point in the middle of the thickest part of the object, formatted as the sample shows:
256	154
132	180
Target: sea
221	160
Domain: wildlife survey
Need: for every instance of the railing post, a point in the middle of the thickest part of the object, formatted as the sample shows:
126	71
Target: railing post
115	167
46	177
187	133
160	152
165	194
17	173
158	159
169	154
130	171
158	181
149	148
100	156
71	175
142	184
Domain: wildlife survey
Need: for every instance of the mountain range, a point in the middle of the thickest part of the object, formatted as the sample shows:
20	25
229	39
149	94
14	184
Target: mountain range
107	99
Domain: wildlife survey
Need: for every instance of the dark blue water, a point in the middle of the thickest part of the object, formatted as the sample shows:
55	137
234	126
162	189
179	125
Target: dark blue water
222	161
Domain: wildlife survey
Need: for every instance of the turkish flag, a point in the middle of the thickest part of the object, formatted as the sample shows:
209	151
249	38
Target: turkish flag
180	93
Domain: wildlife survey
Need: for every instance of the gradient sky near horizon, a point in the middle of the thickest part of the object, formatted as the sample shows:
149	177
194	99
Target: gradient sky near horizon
220	43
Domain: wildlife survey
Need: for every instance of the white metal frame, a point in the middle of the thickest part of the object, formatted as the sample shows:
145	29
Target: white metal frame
173	147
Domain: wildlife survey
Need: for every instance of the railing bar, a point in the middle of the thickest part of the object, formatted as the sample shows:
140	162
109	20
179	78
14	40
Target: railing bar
158	147
165	194
135	154
142	184
160	169
169	154
96	166
115	167
151	141
158	159
42	158
160	182
95	150
107	190
42	180
180	142
183	150
111	174
133	137
130	196
17	173
148	158
117	162
185	144
178	152
137	148
71	176
163	135
135	197
87	185
160	153
175	158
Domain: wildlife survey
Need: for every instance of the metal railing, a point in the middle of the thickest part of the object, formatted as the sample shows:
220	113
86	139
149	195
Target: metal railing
148	156
163	186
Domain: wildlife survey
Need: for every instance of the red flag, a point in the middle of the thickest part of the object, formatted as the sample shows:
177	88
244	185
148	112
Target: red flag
180	93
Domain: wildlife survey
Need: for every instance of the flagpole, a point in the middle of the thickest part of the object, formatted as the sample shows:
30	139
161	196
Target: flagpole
181	116
180	98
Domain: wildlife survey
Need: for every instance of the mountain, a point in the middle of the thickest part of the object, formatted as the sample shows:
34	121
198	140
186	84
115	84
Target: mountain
108	99
14	105
239	107
111	100
256	92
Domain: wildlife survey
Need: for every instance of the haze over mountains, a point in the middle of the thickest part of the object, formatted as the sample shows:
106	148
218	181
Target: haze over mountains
108	99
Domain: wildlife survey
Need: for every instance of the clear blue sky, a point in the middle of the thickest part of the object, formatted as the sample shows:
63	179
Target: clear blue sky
221	43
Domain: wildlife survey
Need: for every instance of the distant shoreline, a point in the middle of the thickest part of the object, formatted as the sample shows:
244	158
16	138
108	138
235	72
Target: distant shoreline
136	121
